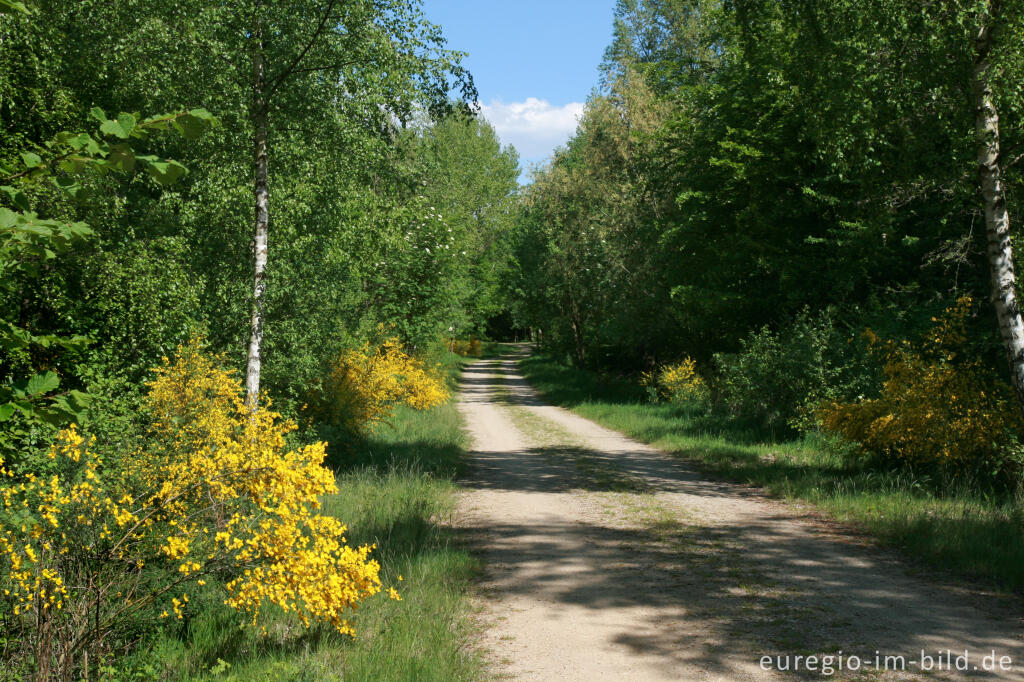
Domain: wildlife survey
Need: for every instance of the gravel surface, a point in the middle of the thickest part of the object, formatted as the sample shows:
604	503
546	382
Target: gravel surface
606	559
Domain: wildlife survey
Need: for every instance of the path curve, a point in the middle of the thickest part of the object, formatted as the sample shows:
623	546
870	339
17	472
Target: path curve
606	559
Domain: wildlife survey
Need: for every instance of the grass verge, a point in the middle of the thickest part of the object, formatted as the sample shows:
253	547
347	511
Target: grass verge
396	491
958	530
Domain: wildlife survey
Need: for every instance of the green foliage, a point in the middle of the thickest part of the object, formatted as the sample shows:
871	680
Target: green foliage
144	298
111	253
759	161
28	244
777	378
347	183
754	185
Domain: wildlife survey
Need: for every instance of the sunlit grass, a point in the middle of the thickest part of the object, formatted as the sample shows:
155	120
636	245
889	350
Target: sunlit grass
951	528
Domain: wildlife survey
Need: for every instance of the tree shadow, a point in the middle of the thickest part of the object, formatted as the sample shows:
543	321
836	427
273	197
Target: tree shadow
717	598
714	593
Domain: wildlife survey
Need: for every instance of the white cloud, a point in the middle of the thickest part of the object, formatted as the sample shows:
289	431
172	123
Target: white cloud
534	127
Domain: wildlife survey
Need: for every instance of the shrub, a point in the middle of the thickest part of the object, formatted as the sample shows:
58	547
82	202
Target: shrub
366	384
94	548
937	408
677	383
471	348
779	376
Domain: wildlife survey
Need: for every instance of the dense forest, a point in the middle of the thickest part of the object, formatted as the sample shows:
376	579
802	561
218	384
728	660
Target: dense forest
295	195
810	204
382	200
235	236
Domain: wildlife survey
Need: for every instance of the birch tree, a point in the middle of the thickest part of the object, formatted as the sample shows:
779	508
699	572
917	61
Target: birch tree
385	51
997	216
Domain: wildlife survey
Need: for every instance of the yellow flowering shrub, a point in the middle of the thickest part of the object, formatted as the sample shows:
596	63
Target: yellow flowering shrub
218	494
471	348
677	383
936	407
367	383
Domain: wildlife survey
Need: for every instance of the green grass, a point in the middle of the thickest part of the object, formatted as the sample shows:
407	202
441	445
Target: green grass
962	531
396	494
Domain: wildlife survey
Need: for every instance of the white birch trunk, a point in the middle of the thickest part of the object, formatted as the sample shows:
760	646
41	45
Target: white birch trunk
261	220
997	217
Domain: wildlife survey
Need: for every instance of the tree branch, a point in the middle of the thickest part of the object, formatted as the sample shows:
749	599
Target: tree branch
327	67
290	69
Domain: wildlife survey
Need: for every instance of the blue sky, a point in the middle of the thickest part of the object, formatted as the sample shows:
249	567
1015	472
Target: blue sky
534	62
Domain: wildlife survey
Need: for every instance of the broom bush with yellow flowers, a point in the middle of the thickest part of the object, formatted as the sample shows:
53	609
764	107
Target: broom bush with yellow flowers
100	542
677	383
938	407
472	348
366	384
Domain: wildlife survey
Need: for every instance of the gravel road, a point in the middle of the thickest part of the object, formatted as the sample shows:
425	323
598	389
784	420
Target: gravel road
608	560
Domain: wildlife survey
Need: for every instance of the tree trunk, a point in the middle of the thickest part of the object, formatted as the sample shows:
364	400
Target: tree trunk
997	218
577	334
261	192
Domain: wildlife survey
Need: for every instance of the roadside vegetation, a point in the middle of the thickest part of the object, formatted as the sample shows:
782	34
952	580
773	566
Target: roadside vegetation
789	233
395	492
229	266
952	526
243	242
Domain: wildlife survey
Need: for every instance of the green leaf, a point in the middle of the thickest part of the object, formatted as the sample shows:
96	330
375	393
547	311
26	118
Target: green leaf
31	160
166	172
122	158
10	6
69	185
42	383
191	127
8	218
13	337
53	417
78	142
6	411
127	123
16	196
38	229
79	230
98	114
121	128
204	115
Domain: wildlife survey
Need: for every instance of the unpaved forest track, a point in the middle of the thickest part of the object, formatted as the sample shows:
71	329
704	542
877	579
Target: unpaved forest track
608	560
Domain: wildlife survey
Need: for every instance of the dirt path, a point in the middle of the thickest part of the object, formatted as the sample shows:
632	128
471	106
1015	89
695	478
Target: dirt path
607	560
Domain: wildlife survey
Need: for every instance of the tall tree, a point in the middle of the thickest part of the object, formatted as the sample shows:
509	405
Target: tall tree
336	41
339	80
990	175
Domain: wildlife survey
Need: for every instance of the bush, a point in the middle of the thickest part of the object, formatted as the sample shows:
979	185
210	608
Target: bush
778	377
96	548
365	385
677	383
937	408
471	348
